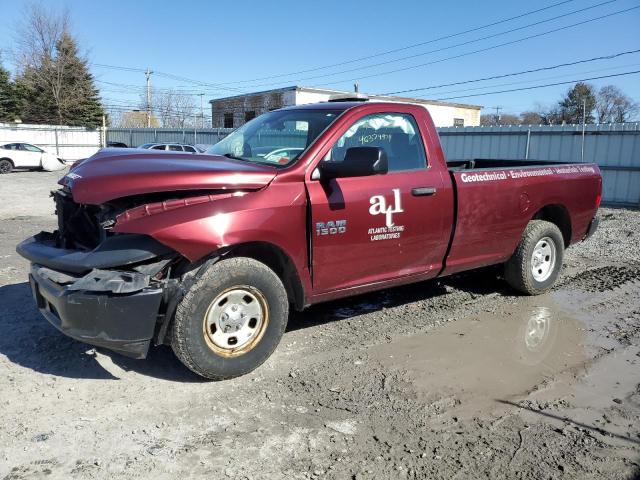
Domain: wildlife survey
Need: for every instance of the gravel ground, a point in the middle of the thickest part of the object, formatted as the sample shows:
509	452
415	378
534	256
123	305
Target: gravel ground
456	378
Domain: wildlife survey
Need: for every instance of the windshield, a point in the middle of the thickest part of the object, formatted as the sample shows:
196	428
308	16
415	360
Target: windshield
277	138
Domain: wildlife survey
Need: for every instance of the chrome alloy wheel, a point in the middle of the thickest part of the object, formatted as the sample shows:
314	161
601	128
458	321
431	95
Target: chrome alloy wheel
236	321
543	259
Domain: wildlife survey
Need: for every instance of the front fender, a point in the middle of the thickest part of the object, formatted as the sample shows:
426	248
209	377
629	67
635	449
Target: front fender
275	215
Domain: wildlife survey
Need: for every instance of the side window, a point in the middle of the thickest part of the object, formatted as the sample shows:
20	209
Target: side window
187	148
31	148
396	133
159	147
175	148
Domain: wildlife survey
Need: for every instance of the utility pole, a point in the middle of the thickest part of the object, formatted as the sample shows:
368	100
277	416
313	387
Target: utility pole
584	121
497	117
201	110
148	75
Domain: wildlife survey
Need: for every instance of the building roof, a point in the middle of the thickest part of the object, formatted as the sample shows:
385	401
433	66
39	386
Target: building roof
383	98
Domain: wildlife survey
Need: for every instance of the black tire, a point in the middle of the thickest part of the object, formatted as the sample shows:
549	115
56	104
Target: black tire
5	166
518	269
189	338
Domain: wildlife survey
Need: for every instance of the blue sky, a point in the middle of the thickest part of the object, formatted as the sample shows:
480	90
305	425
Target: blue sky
228	43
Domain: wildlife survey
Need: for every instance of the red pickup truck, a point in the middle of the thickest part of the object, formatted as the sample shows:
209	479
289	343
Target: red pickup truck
301	205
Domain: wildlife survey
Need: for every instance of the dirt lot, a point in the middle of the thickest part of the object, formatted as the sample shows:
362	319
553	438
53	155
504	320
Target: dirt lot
457	378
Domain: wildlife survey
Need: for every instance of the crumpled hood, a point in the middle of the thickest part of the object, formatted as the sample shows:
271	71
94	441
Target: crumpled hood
116	173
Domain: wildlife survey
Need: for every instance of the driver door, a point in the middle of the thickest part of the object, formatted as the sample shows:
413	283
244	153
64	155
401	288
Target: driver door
375	228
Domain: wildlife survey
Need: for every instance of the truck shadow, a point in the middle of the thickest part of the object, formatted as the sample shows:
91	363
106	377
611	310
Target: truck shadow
477	282
28	340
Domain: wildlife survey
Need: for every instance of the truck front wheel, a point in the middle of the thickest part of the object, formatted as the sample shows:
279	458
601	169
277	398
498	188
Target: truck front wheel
536	263
231	319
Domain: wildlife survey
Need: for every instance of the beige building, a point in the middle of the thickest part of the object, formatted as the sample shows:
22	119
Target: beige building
138	119
231	112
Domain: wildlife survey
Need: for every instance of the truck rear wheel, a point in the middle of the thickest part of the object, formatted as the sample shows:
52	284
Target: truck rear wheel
536	263
231	319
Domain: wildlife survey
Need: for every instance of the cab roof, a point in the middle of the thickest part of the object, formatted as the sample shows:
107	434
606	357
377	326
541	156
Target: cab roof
340	106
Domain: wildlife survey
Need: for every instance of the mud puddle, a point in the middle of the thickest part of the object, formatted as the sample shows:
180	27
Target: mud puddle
485	362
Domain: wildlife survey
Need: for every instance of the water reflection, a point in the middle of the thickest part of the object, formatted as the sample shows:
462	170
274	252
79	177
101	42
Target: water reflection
492	355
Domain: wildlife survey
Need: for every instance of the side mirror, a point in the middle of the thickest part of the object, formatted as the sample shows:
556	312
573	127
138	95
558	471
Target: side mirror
358	162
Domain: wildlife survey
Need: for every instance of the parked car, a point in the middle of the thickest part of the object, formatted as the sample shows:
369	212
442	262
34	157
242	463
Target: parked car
209	254
171	147
111	144
25	155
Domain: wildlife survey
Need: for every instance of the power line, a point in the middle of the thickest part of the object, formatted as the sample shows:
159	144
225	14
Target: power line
168	75
513	74
485	49
174	90
520	82
542	86
407	47
222	86
225	86
467	42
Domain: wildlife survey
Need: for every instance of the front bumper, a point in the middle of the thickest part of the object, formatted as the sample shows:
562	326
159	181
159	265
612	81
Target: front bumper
124	323
116	251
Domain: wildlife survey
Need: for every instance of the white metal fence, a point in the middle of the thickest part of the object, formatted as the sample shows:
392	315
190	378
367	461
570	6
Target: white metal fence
134	137
68	143
615	148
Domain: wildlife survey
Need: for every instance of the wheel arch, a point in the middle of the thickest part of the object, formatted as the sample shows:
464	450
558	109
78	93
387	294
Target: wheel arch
8	160
559	216
278	261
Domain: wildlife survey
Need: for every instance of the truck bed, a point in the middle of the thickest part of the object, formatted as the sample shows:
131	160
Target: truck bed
495	199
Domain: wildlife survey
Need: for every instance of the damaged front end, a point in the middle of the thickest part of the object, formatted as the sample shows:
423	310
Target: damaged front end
108	289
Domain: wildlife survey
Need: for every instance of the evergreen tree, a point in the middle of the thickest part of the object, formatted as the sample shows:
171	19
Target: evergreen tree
38	105
9	98
581	95
79	98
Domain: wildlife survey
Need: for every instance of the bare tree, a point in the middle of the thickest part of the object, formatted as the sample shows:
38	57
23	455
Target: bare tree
174	109
530	118
542	115
612	105
38	34
137	119
504	119
38	68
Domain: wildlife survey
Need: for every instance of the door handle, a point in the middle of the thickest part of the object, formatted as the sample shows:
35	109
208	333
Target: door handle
423	191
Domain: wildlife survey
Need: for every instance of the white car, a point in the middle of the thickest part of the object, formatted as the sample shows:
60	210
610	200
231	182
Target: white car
171	147
24	155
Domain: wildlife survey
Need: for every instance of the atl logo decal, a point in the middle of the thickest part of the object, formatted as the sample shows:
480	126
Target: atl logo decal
379	206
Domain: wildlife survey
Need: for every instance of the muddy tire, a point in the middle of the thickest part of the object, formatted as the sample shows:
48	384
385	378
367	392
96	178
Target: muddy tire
5	166
536	263
231	319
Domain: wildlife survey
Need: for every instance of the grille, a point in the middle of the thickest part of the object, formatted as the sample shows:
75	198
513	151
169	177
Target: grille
78	225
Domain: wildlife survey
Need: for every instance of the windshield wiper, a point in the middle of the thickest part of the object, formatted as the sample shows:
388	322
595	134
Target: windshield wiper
233	157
